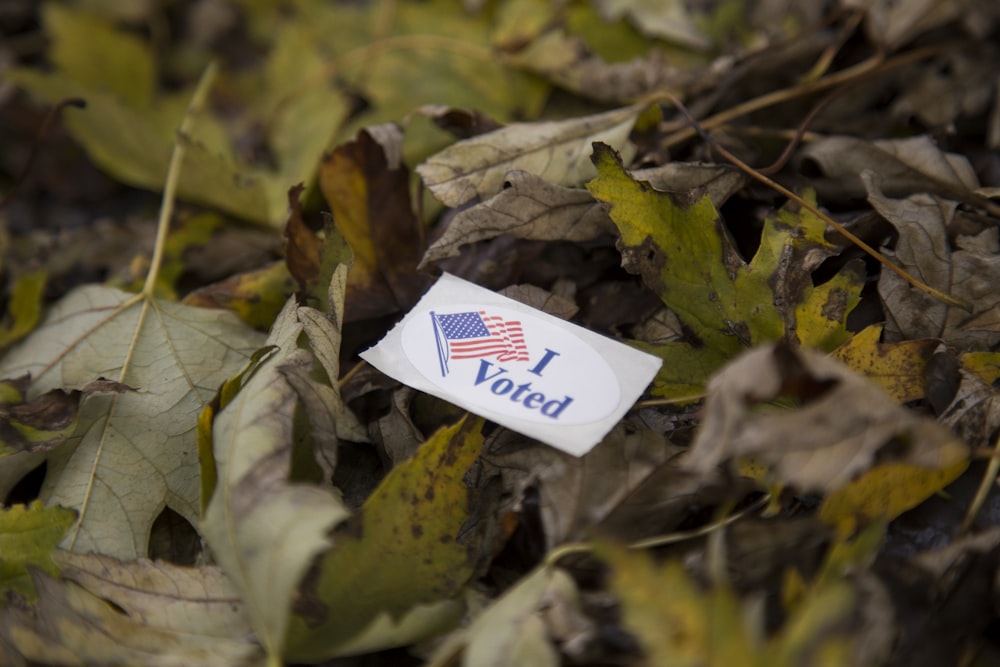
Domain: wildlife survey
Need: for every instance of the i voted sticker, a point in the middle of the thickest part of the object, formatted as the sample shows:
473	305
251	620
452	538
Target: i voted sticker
513	364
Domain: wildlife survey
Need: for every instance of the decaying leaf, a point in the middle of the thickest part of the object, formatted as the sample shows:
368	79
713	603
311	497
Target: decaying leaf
513	631
555	151
968	272
528	207
129	127
900	369
680	624
395	569
904	166
140	613
257	516
28	536
667	20
367	188
679	245
138	445
24	308
44	422
313	257
892	24
841	422
575	494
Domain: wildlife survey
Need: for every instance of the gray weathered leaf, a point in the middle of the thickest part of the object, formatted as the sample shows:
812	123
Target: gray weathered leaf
264	530
528	207
132	453
905	166
556	151
970	272
834	435
107	613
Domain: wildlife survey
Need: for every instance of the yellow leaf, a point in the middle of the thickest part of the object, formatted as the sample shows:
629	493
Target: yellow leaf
899	368
888	490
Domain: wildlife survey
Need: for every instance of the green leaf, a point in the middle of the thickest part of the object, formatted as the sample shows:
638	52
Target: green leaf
679	244
402	550
24	308
28	536
680	624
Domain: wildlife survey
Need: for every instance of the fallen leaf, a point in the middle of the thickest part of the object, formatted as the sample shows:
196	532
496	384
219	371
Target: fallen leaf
843	423
974	411
411	54
900	369
138	445
128	127
181	617
905	166
44	422
257	516
24	307
892	25
313	256
256	296
602	57
886	491
967	272
679	245
528	207
28	536
395	568
678	623
671	21
575	494
555	151
512	631
367	188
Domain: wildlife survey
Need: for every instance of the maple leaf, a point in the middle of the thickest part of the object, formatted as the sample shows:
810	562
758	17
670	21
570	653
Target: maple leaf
680	246
133	453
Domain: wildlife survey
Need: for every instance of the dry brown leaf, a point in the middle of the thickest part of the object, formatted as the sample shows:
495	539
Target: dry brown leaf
575	494
905	166
969	272
528	207
567	62
543	300
556	151
842	421
893	24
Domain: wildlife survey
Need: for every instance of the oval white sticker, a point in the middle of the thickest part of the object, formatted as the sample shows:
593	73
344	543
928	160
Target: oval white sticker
511	363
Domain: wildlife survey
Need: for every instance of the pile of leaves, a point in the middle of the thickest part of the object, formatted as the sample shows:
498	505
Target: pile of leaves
789	203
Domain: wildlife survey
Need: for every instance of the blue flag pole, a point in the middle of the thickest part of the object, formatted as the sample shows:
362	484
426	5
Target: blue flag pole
441	347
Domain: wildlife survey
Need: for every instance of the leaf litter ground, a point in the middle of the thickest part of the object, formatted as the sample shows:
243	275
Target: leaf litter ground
808	481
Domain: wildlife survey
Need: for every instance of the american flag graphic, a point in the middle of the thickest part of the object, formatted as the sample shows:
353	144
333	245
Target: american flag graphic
472	335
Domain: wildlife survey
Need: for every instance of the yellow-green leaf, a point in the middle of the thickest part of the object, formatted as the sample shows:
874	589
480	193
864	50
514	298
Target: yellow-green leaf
681	247
28	535
402	550
24	308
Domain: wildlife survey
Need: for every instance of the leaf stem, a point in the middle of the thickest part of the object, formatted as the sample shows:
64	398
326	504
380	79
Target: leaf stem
985	486
173	178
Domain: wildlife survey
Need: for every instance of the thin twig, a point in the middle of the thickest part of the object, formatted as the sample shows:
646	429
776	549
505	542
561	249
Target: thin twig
756	175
